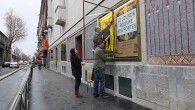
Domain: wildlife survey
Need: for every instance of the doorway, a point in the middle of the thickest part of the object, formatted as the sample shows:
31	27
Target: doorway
79	46
1	53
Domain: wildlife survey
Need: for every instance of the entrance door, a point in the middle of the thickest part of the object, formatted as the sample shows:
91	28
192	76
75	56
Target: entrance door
79	46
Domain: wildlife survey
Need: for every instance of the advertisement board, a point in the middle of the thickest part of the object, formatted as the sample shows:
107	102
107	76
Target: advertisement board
124	32
127	31
104	22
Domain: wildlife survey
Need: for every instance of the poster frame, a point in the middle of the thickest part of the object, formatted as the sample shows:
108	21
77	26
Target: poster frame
129	58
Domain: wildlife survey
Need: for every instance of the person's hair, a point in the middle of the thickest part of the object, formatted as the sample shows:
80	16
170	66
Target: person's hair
100	41
96	28
72	52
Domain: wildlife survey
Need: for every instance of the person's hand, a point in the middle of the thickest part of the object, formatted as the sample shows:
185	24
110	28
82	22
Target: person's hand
111	22
115	51
110	51
107	38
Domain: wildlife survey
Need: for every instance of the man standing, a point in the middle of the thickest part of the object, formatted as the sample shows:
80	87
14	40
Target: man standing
99	69
101	34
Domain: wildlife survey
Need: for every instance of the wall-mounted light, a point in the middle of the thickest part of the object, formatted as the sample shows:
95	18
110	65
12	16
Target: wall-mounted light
157	8
167	4
179	2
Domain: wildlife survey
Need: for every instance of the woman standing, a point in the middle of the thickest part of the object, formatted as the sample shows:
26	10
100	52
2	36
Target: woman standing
76	70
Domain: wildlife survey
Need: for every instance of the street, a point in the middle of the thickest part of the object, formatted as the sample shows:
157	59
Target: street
6	70
10	86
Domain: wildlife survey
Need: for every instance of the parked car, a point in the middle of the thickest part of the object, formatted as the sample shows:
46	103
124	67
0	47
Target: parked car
14	65
20	62
24	63
6	64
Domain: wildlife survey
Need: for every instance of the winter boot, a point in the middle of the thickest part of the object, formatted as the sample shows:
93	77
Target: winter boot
77	94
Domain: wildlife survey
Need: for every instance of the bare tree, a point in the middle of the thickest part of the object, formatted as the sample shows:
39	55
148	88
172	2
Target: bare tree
25	57
29	56
20	55
16	29
17	52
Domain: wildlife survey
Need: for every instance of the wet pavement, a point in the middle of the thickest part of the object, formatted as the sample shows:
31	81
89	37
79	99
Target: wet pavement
10	86
54	91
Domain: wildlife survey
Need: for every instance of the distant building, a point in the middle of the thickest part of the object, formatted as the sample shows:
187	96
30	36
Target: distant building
3	40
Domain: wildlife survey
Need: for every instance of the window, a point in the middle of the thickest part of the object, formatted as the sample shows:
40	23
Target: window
63	52
51	55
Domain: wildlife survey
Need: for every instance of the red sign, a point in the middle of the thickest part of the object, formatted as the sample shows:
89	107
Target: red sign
45	44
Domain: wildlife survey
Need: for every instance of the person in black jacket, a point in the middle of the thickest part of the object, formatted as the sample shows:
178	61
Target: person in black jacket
76	70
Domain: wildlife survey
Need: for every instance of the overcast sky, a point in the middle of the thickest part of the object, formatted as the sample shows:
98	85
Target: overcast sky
29	11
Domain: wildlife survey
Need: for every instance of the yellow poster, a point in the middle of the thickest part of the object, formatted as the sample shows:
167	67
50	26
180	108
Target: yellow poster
104	22
127	29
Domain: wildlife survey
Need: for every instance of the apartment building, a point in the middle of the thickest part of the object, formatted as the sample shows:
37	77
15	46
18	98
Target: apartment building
3	40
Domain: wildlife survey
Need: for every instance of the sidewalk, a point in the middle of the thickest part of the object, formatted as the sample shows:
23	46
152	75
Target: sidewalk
53	91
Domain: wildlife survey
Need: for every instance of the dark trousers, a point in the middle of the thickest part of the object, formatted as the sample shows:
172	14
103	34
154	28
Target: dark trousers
77	82
39	66
99	82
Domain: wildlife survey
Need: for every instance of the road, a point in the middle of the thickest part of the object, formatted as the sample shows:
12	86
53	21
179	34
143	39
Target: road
10	86
6	70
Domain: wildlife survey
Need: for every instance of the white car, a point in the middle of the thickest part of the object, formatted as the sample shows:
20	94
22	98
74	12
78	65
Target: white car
14	65
24	63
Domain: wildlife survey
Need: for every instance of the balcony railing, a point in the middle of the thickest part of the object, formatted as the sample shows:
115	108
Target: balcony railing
60	15
49	22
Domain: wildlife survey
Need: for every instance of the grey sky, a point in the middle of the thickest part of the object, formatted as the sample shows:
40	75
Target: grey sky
28	10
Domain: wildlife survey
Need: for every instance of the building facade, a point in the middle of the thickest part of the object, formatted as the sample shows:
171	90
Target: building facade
154	39
3	40
42	31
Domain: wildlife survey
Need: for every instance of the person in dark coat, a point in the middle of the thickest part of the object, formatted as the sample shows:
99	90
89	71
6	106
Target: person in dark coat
76	70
